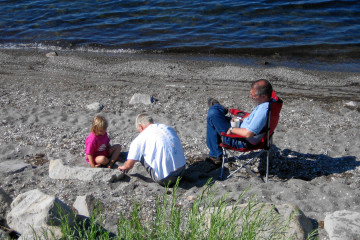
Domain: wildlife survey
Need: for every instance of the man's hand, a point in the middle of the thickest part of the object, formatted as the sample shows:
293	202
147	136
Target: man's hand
124	169
229	131
129	164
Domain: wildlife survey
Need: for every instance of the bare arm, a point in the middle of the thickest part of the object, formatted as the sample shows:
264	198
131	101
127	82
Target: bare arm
92	161
242	132
129	164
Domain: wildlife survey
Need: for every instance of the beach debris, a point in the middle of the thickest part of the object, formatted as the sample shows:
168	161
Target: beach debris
142	98
342	225
96	107
37	160
35	211
85	205
57	170
51	54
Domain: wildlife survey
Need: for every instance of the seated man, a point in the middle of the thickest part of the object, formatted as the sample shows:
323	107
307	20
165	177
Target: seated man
159	150
250	128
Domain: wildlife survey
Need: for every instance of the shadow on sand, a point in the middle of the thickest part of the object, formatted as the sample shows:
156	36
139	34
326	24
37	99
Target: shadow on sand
285	164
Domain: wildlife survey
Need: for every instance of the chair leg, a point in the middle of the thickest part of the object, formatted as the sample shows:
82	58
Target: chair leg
223	164
267	165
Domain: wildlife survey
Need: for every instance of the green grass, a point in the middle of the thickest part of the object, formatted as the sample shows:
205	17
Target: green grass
206	219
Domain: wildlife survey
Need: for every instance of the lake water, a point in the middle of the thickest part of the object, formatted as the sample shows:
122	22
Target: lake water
318	28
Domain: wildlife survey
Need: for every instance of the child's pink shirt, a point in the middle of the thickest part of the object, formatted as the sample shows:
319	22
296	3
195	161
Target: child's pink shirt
97	145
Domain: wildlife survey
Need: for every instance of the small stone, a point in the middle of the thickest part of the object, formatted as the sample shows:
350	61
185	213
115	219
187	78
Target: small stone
97	107
141	98
351	105
51	54
191	198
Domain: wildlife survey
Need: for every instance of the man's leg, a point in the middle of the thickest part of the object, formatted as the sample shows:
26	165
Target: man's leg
235	143
148	169
217	122
170	180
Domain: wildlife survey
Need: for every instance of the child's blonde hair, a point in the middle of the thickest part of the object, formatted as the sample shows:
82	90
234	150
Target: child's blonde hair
99	123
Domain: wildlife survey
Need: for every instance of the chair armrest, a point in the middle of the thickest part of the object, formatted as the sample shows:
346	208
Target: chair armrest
231	135
239	113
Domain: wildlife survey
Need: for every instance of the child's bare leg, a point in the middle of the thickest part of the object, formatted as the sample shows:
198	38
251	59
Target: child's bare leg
115	151
101	160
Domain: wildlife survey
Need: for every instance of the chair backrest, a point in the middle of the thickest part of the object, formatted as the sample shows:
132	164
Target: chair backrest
274	112
274	115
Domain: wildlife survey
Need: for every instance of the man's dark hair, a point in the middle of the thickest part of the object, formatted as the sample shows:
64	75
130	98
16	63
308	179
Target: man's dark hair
263	87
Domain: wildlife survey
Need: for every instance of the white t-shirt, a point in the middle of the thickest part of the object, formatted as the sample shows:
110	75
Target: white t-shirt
161	148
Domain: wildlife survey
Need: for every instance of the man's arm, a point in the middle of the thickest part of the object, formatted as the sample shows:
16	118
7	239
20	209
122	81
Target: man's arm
242	132
129	164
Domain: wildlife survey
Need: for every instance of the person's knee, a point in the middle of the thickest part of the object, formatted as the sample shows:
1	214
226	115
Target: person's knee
216	110
102	160
212	112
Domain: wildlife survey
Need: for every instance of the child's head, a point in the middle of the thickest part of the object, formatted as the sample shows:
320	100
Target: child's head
99	125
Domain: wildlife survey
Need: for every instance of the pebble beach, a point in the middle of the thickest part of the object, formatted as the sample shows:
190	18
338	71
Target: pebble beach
44	116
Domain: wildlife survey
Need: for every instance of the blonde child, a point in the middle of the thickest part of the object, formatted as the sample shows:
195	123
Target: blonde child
97	145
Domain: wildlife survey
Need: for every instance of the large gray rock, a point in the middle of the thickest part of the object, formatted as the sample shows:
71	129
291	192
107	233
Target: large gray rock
5	201
141	98
298	229
85	205
57	170
13	166
343	225
34	211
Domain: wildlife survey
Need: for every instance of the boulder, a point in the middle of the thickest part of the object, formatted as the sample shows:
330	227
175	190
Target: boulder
35	212
85	205
141	98
57	170
13	166
342	225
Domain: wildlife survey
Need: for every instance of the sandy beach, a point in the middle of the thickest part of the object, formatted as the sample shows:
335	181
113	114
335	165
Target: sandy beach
44	116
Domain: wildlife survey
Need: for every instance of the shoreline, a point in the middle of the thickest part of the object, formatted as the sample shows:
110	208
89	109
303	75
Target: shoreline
268	58
44	101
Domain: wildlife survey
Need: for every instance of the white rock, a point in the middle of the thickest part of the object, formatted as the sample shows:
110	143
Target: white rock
351	104
51	54
85	205
57	170
141	98
97	107
343	225
36	211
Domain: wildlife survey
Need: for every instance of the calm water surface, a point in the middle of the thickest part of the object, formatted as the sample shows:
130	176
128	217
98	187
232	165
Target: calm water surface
292	28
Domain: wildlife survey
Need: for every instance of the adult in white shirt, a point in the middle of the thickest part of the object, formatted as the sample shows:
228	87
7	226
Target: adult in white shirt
158	149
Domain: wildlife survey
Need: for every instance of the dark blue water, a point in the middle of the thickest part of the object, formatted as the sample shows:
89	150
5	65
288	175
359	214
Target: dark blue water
291	28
